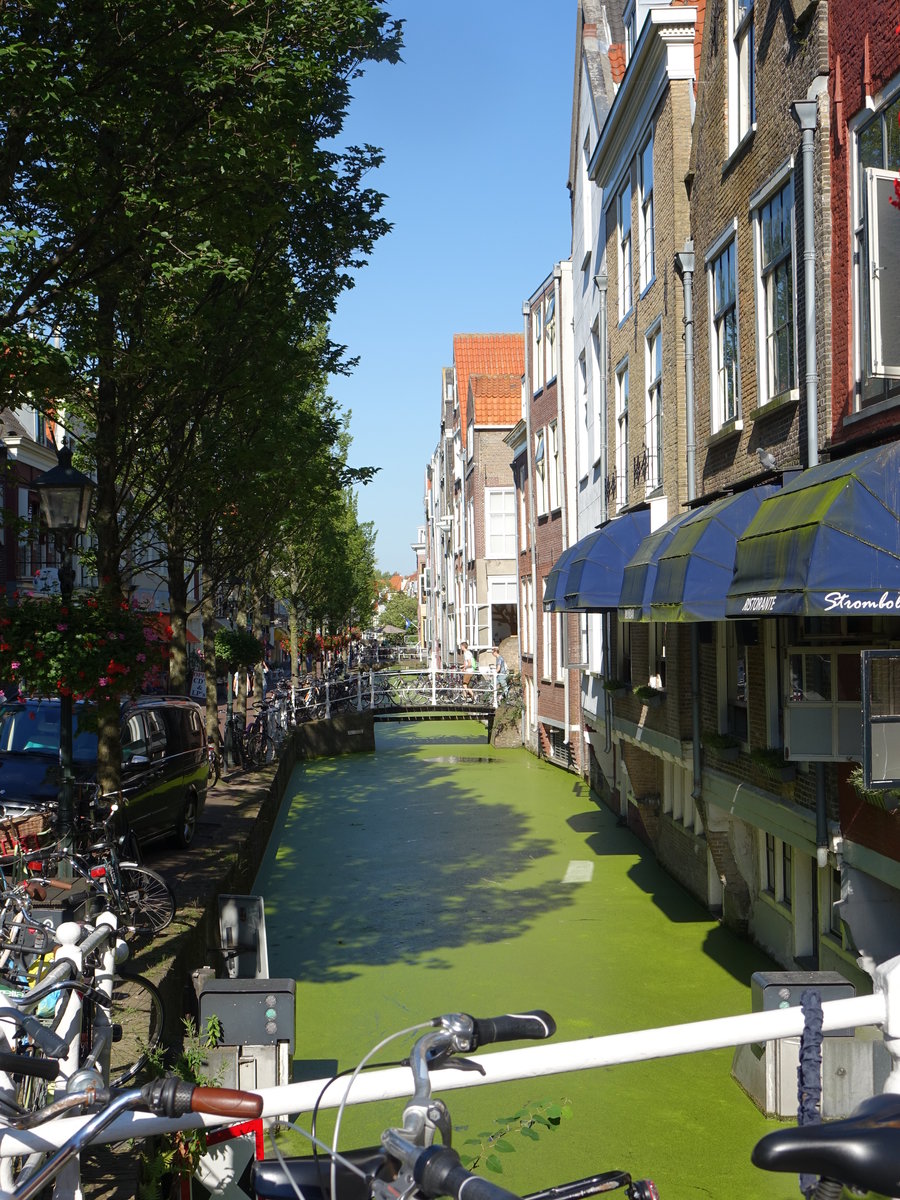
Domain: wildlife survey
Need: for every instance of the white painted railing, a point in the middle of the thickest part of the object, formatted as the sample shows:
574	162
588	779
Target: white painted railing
882	1008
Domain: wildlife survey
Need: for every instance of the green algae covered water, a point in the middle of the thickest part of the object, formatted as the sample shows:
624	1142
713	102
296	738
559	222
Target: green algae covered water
440	874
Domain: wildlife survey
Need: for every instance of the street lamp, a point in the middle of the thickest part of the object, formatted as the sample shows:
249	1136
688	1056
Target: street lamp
65	495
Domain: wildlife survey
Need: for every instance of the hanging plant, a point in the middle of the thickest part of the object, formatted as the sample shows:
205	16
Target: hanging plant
92	646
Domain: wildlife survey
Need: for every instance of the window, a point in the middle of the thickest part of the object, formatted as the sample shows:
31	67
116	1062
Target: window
471	549
560	649
626	283
523	509
504	615
647	247
630	19
584	413
622	435
822	705
741	73
540	472
599	416
525	633
723	336
775	295
470	440
769	878
653	434
537	357
736	682
500	525
554	466
546	639
623	651
550	348
876	276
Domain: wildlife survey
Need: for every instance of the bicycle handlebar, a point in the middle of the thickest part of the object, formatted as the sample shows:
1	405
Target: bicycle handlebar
173	1097
24	1064
438	1172
51	1043
512	1027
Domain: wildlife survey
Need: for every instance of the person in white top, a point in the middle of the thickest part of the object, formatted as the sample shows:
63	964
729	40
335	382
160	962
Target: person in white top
468	668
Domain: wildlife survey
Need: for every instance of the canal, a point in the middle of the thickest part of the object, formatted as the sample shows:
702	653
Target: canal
440	874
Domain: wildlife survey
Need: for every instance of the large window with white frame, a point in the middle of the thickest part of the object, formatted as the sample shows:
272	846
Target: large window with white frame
599	416
471	549
622	434
500	522
504	615
537	348
741	71
647	248
553	466
546	665
776	312
584	456
626	266
560	647
522	490
721	272
653	431
525	631
876	262
540	471
550	347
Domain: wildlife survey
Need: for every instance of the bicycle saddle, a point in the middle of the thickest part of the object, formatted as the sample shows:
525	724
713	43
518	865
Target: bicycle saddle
860	1150
313	1176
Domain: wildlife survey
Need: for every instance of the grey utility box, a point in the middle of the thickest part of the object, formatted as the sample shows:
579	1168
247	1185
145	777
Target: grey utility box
854	1063
242	933
252	1012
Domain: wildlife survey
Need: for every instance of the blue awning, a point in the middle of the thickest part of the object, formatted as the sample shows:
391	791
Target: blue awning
695	570
639	576
555	589
597	565
826	544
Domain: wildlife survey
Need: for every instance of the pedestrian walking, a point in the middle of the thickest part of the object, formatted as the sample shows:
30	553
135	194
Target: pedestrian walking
468	669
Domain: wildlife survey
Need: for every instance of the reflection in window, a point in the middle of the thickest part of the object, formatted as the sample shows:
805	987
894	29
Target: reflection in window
811	677
736	682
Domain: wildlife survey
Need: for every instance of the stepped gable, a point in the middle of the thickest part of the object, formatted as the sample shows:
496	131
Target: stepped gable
484	354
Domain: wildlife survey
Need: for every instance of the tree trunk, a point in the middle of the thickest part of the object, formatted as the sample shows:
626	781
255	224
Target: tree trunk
208	612
178	685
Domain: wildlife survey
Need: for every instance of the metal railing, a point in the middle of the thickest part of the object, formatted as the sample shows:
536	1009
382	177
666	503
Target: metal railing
376	690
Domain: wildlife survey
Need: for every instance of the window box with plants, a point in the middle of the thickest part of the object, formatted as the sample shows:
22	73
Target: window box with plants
886	798
649	695
771	761
617	688
724	746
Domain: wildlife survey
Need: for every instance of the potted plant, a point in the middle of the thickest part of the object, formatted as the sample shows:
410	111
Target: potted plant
649	695
771	760
886	798
723	745
617	688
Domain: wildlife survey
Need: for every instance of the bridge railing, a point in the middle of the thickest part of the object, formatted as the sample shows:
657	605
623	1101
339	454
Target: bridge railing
392	689
882	1008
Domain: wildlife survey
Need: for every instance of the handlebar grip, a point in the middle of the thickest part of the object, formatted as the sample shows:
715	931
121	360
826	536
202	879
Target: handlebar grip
438	1172
513	1027
226	1102
24	1064
51	1043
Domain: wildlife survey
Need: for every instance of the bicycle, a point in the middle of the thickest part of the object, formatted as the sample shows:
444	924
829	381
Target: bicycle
409	1163
859	1151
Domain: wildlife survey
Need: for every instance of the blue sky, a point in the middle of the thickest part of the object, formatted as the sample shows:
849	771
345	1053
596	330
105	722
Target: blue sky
475	127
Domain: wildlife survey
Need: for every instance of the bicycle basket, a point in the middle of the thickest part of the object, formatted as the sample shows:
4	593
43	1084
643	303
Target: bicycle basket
22	835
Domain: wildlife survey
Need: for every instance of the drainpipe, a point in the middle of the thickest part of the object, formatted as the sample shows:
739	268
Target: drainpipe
806	114
685	264
526	312
601	282
563	505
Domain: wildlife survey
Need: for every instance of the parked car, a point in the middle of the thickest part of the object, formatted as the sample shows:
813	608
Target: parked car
164	762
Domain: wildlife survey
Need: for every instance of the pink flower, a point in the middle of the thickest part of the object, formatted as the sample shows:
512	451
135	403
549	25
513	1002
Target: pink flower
103	681
141	657
62	628
14	666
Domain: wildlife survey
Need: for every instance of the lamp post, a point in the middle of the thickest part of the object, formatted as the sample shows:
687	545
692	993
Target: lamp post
65	495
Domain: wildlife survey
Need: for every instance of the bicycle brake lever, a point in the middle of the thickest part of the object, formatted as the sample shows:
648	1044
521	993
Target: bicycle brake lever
460	1064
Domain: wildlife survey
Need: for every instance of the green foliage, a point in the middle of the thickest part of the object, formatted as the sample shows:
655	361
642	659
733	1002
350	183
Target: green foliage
93	647
644	691
180	1152
527	1122
399	609
238	649
886	798
615	685
714	740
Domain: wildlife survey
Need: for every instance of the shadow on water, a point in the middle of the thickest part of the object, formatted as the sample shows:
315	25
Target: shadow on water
383	859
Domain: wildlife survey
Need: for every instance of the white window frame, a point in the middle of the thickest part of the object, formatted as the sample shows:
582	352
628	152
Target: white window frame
540	471
470	440
553	466
600	431
470	529
500	507
550	341
560	647
546	664
622	390
722	307
768	268
647	249
653	427
584	413
630	21
776	866
741	72
537	357
626	249
829	724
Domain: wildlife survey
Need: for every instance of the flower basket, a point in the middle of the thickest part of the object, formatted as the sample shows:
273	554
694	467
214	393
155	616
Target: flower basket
771	762
723	745
648	695
616	688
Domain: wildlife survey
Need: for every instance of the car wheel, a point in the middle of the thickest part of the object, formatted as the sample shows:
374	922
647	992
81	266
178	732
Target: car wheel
187	827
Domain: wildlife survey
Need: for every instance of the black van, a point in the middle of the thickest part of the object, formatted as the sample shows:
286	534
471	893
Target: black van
164	762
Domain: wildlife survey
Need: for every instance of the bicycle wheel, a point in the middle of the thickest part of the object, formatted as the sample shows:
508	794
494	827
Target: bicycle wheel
137	1016
148	899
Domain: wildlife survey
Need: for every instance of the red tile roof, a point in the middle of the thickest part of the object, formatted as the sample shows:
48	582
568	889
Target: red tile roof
485	354
496	399
617	62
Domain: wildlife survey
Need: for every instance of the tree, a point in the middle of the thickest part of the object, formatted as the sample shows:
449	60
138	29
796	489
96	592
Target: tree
401	611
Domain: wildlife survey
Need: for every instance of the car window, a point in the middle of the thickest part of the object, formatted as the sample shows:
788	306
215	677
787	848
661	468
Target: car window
134	738
156	733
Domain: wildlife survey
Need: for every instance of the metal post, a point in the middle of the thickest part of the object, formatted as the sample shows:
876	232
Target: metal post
65	815
229	719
